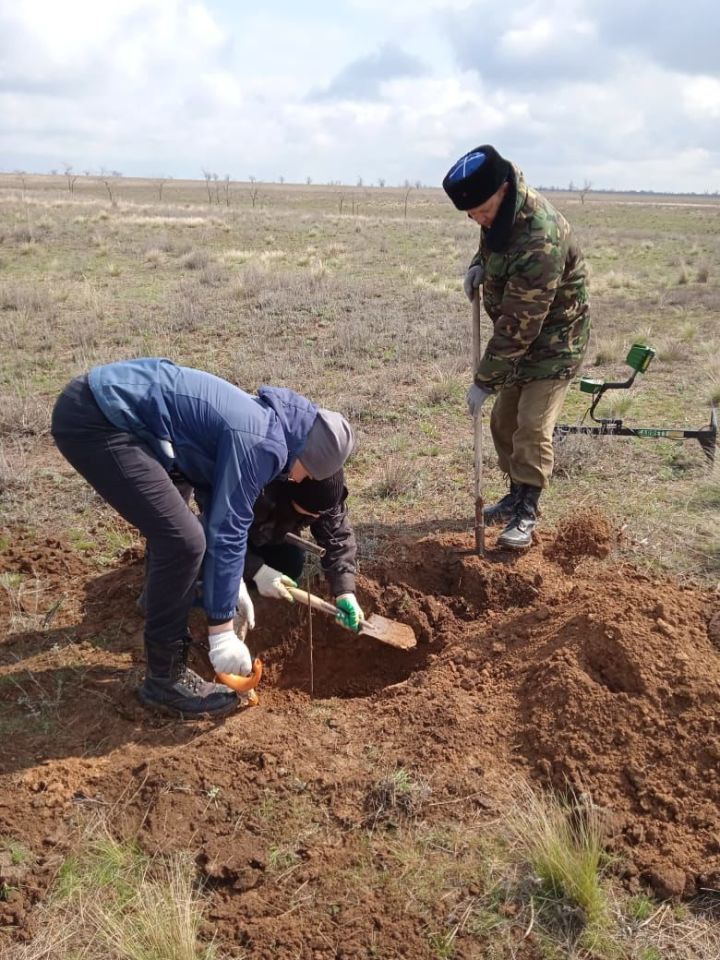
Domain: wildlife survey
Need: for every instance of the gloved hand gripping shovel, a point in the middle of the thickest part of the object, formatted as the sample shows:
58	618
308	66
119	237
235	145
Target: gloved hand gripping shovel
395	634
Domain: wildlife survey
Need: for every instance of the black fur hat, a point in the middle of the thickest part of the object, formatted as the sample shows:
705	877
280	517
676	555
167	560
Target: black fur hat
475	177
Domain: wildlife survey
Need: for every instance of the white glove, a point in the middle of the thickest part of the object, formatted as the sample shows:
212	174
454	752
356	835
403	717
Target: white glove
229	654
245	608
272	583
476	397
473	278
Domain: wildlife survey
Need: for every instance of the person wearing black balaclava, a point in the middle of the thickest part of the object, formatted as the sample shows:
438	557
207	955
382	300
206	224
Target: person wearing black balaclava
284	507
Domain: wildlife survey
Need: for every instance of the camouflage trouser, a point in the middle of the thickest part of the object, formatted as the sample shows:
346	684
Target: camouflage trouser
522	422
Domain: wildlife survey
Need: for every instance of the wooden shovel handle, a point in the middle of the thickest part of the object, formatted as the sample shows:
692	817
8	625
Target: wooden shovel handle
477	436
317	603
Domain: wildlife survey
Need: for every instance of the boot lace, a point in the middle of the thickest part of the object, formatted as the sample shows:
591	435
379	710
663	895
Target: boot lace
188	678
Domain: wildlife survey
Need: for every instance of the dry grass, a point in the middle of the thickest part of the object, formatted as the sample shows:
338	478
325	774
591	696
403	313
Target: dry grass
399	795
290	292
111	902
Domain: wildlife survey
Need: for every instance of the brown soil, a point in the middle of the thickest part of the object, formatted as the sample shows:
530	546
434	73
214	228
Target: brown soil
554	664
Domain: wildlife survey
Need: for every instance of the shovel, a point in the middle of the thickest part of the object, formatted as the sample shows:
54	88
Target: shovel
477	436
395	634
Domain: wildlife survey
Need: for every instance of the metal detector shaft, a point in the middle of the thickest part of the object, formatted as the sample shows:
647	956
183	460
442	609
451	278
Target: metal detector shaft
477	436
706	437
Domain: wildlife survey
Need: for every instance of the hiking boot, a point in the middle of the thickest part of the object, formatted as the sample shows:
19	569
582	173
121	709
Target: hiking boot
517	535
503	510
171	687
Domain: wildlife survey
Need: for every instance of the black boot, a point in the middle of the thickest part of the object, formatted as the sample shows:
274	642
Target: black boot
517	535
170	687
502	511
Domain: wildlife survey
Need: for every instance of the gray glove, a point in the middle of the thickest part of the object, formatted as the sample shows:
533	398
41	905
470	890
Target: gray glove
473	278
476	397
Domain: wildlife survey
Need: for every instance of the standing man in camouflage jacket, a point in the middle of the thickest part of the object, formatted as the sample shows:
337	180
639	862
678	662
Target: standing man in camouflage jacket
534	290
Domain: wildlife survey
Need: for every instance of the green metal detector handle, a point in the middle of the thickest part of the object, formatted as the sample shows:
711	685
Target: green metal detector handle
589	385
638	359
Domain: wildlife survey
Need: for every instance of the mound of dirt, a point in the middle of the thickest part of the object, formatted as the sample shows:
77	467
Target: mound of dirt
587	533
601	678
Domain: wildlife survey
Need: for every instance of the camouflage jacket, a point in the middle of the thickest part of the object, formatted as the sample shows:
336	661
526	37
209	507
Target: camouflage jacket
534	292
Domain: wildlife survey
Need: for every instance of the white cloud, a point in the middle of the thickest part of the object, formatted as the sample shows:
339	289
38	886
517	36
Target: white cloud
570	89
702	97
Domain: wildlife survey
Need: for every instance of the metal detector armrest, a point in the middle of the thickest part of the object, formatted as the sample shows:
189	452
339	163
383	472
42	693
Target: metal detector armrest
638	359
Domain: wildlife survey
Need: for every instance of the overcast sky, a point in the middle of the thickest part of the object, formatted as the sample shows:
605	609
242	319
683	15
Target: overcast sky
619	93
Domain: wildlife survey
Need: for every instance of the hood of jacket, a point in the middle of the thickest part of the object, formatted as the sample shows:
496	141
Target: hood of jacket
296	415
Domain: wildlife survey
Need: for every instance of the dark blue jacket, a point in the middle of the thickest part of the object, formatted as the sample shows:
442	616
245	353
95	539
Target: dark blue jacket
227	443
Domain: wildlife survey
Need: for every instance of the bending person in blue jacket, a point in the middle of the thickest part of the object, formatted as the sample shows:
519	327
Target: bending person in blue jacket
134	427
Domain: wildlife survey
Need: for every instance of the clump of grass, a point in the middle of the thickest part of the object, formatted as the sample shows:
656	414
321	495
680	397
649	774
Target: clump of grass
618	407
18	852
112	900
195	260
24	416
563	844
447	387
574	454
607	350
395	481
669	351
212	275
702	275
397	796
688	331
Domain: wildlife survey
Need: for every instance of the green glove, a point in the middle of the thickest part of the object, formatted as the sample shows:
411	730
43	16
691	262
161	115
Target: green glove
348	613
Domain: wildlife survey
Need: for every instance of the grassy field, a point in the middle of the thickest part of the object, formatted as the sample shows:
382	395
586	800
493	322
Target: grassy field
354	296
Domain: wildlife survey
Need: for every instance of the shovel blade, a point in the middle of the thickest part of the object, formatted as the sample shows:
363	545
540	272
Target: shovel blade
395	634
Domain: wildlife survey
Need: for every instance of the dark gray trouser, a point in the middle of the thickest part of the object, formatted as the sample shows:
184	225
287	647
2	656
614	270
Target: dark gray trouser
125	473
